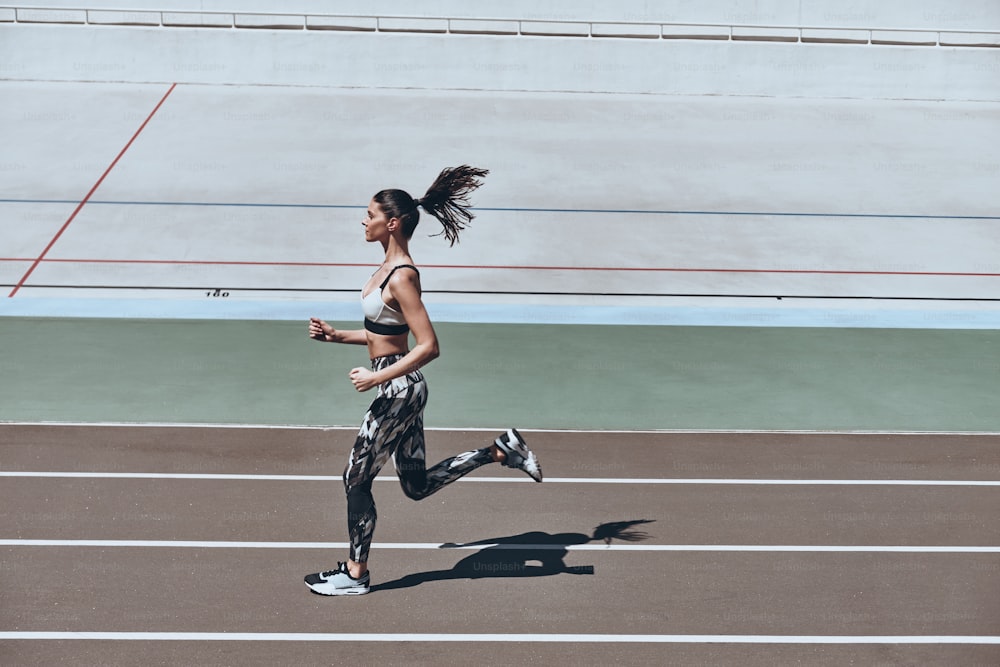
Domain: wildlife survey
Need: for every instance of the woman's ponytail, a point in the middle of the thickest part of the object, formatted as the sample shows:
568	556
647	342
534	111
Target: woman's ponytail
448	199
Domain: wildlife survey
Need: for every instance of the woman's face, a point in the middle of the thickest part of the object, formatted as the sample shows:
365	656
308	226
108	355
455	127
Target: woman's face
375	222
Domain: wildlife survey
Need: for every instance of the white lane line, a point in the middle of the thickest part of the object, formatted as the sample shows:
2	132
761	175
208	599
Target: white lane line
465	429
516	637
518	480
770	548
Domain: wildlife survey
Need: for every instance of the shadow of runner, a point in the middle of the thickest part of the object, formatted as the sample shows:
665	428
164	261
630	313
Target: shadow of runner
515	555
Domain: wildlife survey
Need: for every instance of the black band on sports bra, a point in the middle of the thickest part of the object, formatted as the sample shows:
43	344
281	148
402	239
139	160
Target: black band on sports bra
386	329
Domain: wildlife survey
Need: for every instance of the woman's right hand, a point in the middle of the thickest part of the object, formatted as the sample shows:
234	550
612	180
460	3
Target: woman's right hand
320	330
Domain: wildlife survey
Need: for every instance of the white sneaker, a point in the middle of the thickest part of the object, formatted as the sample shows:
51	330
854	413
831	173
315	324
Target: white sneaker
338	582
518	455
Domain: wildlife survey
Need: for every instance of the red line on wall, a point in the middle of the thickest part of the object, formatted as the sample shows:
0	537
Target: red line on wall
83	202
479	267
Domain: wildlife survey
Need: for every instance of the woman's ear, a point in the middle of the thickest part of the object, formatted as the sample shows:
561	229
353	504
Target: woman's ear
393	224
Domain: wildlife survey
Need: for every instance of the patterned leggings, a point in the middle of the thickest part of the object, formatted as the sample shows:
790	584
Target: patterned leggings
394	425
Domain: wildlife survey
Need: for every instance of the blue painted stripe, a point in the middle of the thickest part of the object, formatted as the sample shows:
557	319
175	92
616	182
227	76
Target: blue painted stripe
228	309
522	209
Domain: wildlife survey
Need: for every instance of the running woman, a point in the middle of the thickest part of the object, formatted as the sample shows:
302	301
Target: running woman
393	425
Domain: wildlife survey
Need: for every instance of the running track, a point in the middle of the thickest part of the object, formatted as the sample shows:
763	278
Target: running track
189	543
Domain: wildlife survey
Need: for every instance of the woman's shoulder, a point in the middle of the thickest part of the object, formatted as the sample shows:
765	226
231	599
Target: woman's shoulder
404	274
395	271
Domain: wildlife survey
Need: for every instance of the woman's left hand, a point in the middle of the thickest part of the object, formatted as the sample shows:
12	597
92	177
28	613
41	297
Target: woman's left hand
362	378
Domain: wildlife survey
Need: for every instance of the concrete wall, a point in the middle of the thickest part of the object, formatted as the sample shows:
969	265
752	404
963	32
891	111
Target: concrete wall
713	169
467	62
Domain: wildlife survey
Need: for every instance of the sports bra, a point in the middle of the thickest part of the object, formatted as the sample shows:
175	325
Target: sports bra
380	318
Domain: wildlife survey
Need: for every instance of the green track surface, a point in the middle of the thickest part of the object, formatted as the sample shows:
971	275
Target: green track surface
530	376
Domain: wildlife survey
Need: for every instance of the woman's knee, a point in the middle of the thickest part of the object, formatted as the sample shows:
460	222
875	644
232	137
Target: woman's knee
360	502
414	486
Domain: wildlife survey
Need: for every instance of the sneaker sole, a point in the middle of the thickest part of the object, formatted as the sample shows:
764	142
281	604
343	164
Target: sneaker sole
339	591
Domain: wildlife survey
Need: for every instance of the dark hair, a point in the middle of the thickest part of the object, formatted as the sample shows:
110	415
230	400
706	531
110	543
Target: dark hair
447	200
621	530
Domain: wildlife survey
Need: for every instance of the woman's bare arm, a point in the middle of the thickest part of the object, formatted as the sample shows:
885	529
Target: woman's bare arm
320	330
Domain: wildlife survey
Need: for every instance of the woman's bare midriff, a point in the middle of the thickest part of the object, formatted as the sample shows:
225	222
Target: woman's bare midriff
383	346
